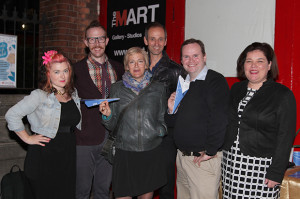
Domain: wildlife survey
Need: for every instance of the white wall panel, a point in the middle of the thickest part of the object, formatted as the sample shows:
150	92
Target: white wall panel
227	26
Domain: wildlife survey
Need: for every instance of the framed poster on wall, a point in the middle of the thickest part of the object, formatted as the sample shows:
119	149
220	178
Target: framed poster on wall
8	61
174	19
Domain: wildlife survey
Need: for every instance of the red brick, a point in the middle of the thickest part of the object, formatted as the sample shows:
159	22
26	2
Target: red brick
81	4
69	13
64	25
62	6
59	43
68	49
67	1
61	18
69	19
84	10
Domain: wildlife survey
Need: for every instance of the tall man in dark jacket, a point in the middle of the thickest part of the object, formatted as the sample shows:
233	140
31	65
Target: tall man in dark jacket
93	78
167	71
199	125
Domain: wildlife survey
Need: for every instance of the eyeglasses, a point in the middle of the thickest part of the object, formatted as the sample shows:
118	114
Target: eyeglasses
138	62
92	40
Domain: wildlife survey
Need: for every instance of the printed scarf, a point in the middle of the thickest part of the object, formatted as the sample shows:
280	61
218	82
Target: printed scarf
134	85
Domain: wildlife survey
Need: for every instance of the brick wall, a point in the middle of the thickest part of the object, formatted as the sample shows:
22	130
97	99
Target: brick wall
67	21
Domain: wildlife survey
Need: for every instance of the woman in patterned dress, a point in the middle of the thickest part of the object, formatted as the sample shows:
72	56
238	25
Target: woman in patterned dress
261	129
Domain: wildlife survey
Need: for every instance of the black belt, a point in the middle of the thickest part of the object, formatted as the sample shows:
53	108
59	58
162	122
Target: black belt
65	129
190	153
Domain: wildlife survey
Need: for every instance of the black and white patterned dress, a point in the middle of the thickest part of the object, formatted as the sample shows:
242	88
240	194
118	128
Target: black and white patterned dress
243	176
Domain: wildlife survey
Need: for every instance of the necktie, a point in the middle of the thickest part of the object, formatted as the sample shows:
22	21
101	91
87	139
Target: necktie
105	81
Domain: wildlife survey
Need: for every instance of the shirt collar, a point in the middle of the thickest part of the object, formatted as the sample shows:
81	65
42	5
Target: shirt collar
157	64
200	76
155	67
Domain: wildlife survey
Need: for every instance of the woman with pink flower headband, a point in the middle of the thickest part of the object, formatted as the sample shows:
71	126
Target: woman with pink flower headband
53	112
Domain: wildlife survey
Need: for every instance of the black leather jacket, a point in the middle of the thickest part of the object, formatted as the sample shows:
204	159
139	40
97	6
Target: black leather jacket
142	125
167	72
267	125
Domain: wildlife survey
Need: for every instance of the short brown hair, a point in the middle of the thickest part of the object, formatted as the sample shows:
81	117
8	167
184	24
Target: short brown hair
155	25
94	24
269	53
192	41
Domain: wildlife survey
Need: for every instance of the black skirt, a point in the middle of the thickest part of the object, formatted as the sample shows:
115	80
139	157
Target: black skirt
137	173
52	169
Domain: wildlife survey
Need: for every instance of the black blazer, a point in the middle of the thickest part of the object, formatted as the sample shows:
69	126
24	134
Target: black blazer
267	127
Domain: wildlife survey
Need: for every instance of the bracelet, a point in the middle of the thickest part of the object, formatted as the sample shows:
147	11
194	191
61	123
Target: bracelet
106	117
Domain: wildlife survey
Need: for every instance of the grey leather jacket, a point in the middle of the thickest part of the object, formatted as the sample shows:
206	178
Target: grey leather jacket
142	125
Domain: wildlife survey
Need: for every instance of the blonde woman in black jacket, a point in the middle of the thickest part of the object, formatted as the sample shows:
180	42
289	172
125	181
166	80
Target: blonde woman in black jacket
139	166
261	130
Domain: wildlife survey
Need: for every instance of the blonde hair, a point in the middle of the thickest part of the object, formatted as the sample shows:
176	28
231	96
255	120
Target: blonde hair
135	50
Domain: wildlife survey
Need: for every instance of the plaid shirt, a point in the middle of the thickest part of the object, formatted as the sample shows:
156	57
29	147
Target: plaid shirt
95	70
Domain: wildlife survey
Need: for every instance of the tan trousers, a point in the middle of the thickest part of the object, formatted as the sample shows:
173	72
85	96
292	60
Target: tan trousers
198	182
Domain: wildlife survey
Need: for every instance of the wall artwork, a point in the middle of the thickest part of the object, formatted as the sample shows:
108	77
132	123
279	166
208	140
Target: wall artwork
126	22
8	61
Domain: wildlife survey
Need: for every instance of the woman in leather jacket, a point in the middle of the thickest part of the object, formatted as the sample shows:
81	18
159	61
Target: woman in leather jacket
138	120
261	130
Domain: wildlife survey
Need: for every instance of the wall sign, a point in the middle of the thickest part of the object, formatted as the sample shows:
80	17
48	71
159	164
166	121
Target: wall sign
126	22
8	61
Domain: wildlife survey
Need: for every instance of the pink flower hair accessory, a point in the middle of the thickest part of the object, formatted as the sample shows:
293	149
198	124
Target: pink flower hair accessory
48	56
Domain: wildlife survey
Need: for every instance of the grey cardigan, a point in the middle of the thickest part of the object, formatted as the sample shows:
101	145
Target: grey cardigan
42	111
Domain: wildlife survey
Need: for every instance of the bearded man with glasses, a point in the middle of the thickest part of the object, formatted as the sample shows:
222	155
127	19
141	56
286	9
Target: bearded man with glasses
93	78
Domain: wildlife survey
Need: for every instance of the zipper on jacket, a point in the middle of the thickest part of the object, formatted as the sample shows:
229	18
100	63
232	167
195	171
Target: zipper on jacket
139	127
